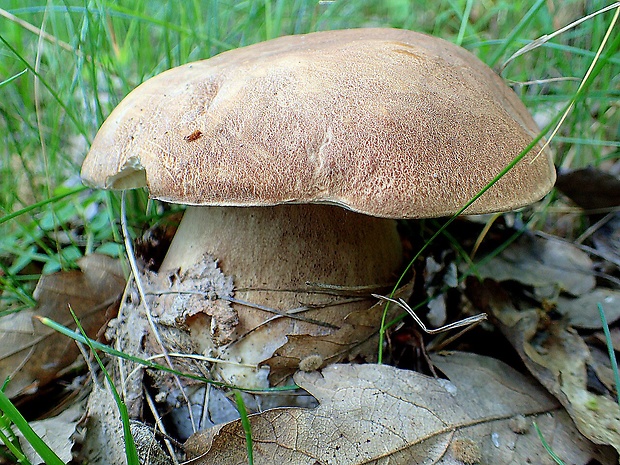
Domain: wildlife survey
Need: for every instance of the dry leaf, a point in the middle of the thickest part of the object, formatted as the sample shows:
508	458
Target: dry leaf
557	356
201	290
380	414
597	192
615	338
582	312
32	354
148	447
356	336
550	267
57	432
128	332
173	299
607	241
590	188
103	444
600	374
177	301
557	428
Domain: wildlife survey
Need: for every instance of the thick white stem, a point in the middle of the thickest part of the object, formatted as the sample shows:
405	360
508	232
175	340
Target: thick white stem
272	253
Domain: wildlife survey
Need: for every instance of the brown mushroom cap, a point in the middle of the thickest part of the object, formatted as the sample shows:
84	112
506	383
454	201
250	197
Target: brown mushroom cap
386	122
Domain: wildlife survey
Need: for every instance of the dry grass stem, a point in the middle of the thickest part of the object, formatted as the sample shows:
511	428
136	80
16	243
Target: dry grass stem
136	277
469	321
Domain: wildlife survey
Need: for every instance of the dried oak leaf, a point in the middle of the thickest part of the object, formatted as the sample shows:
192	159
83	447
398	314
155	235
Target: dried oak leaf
557	356
31	353
376	414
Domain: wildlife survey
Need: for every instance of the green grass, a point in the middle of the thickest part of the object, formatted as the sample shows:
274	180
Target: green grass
53	100
10	415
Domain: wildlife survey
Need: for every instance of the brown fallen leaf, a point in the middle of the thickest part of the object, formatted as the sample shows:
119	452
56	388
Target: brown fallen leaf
600	374
357	336
597	192
32	354
557	356
103	444
606	239
615	338
590	188
557	428
195	306
375	414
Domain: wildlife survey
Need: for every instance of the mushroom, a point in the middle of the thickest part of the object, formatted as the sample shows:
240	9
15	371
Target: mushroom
296	155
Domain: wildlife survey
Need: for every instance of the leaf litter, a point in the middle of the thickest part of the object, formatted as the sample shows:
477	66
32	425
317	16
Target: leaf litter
555	279
33	355
544	332
538	292
381	414
102	442
57	432
196	303
549	267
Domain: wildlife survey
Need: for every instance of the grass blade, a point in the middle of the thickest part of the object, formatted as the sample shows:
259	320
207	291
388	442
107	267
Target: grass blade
245	423
610	350
130	447
547	447
36	206
44	451
11	442
72	116
515	32
12	78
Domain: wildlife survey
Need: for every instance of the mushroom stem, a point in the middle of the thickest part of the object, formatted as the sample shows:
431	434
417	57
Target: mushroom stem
273	253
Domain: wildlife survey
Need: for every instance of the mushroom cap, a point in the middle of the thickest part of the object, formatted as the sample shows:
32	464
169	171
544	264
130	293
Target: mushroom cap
386	122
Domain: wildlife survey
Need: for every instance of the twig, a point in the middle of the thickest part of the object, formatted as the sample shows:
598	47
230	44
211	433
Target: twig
162	428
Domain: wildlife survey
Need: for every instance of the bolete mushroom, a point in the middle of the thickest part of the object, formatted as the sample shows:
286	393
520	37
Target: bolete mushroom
295	156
